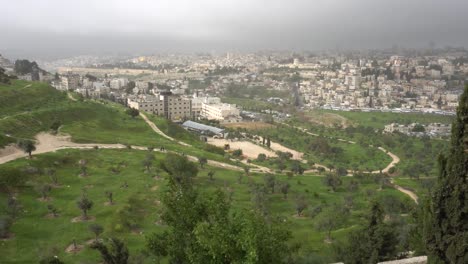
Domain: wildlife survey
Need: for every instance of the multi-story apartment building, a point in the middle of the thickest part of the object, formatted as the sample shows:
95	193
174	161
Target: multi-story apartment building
70	81
222	112
166	104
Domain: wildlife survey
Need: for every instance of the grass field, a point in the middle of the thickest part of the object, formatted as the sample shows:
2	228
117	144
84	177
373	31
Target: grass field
137	206
380	119
358	156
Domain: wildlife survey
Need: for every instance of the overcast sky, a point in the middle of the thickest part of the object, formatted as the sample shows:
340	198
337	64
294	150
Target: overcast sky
73	27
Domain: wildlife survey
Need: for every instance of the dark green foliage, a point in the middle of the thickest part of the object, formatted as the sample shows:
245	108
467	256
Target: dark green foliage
418	128
377	241
55	126
237	153
25	67
261	157
84	204
202	229
11	178
27	146
114	251
132	112
332	180
4	78
51	260
447	228
202	161
179	168
213	149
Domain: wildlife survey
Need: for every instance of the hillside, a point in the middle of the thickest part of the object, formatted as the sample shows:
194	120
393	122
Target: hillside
303	202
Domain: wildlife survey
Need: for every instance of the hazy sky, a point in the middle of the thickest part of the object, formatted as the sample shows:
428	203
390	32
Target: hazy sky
71	27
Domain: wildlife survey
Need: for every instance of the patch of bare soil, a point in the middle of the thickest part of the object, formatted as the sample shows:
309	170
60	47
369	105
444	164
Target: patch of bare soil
73	249
79	219
42	199
51	216
299	216
109	204
154	188
91	241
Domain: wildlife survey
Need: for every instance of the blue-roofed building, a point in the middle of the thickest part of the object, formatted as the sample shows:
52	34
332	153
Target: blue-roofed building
202	128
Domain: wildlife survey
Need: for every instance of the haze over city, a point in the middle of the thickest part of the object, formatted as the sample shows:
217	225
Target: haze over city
64	28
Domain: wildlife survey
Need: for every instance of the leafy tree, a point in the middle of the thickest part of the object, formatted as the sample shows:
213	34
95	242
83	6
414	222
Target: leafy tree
332	180
114	251
377	241
285	189
418	128
296	167
12	178
55	126
327	221
27	146
179	168
23	67
96	229
211	175
84	204
132	112
237	153
148	161
202	161
261	157
246	170
447	229
301	205
270	182
4	78
202	229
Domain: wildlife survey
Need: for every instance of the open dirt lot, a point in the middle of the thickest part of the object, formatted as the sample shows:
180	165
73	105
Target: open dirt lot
249	149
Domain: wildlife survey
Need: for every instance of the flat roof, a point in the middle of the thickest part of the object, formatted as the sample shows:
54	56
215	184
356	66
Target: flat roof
202	127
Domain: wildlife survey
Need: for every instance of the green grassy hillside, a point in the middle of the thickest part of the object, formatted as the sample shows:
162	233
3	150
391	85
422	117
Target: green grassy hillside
136	210
85	121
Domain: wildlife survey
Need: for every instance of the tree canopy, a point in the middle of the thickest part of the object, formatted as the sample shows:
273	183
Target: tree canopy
446	229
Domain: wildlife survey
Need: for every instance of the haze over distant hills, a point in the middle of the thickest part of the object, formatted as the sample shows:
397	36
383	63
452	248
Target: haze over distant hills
31	29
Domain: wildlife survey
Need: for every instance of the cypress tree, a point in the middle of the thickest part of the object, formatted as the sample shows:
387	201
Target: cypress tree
446	234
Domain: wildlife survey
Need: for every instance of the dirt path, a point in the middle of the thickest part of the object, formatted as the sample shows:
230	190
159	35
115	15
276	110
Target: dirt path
51	143
157	130
70	96
393	163
411	194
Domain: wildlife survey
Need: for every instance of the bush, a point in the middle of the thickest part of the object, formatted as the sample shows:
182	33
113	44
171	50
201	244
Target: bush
214	149
237	153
